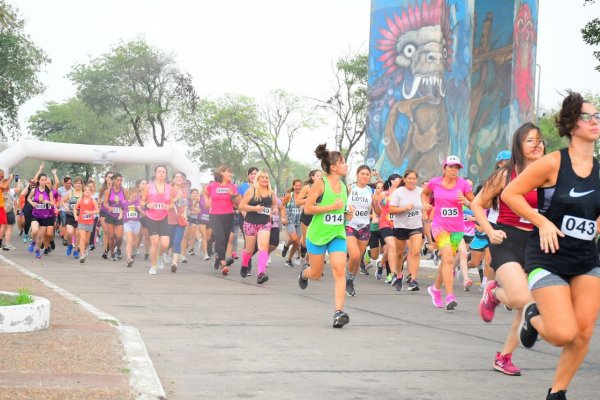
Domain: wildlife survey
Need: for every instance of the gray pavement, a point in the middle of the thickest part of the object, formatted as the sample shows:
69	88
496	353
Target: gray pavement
215	337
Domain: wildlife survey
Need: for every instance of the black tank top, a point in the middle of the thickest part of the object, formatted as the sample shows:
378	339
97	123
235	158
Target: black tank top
262	217
573	205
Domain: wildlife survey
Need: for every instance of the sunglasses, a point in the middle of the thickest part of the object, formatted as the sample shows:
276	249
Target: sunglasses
587	117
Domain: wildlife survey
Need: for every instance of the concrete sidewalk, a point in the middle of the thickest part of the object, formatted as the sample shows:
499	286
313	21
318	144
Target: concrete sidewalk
215	337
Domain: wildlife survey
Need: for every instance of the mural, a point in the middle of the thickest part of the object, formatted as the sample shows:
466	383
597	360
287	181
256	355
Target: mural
448	77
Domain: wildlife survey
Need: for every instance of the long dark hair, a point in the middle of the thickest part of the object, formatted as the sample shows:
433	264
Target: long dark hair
517	159
328	158
388	183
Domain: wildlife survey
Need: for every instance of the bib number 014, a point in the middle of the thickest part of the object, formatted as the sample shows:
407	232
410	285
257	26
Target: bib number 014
333	219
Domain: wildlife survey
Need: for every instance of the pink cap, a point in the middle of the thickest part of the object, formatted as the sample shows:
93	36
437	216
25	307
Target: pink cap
453	160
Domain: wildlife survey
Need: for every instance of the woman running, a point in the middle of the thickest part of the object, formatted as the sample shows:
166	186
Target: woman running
113	197
386	229
41	200
204	225
376	242
508	240
157	200
257	204
106	185
69	202
85	212
223	197
131	210
193	219
178	217
450	192
326	202
305	218
406	206
294	212
561	256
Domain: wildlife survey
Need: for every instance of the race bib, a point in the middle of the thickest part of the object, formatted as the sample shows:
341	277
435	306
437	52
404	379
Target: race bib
265	211
449	212
204	217
132	214
116	210
87	217
391	217
222	190
40	207
333	219
361	213
160	206
579	228
412	213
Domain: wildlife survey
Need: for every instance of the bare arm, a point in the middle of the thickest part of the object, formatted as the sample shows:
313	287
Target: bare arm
313	194
484	200
243	204
302	199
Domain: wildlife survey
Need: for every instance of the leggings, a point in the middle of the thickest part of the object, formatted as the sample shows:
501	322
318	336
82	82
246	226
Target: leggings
28	219
222	226
93	234
176	236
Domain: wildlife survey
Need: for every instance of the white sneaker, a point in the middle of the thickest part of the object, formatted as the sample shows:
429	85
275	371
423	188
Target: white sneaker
166	258
152	271
297	261
160	263
269	261
206	257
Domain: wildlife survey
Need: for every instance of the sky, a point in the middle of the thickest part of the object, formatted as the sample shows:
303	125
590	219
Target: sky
252	47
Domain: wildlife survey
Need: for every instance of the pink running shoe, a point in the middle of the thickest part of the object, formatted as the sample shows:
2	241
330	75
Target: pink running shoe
436	296
451	302
488	303
467	285
503	363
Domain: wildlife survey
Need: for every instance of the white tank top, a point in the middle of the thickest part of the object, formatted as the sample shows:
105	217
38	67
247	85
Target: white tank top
361	199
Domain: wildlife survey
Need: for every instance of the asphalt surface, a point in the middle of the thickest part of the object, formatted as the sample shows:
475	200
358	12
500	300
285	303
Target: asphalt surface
216	337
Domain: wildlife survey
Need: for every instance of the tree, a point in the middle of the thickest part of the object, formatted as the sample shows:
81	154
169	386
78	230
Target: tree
591	33
20	61
349	101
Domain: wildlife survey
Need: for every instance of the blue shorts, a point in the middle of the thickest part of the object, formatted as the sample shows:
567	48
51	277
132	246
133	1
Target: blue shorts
479	243
335	245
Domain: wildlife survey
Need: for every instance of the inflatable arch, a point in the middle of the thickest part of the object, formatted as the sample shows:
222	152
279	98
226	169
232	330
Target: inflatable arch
86	153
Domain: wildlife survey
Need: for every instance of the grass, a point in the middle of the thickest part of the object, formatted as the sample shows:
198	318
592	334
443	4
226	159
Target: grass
23	297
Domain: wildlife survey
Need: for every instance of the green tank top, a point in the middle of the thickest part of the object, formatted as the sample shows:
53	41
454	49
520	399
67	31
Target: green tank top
330	225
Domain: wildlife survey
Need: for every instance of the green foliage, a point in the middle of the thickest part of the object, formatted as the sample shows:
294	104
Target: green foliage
591	33
20	61
23	297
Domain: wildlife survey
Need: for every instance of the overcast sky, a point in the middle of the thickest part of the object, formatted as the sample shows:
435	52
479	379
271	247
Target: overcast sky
251	47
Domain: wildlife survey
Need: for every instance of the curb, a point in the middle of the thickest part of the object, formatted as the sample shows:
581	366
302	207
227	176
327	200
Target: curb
142	377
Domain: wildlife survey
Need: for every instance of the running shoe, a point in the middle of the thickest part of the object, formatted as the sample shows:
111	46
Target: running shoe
288	263
527	333
105	255
413	286
153	271
234	255
489	302
451	302
244	271
75	254
284	250
69	250
560	395
394	280
389	278
206	257
146	257
173	268
297	261
340	319
166	258
25	238
65	242
130	263
38	254
92	247
52	245
113	258
216	264
83	258
31	247
503	363
119	254
160	263
408	278
436	296
467	285
436	258
225	271
261	278
183	260
46	252
302	282
249	267
398	283
379	273
350	288
229	262
363	269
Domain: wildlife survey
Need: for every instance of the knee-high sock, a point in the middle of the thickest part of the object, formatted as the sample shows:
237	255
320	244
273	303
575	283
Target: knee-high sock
245	258
263	259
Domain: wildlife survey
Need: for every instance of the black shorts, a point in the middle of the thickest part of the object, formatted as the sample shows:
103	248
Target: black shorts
274	238
109	219
375	240
405	234
468	238
386	232
44	221
305	219
10	217
193	220
70	220
103	213
160	228
512	249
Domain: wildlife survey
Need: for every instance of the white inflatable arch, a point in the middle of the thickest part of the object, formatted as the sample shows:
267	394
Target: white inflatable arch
86	153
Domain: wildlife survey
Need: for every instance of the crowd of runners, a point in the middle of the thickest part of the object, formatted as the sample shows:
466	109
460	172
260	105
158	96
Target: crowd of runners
529	230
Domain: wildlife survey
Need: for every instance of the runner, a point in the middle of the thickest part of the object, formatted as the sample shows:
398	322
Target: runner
11	206
4	188
508	240
27	208
41	200
63	193
113	197
132	212
305	219
449	193
85	212
326	201
293	211
406	206
69	200
257	205
193	219
178	217
106	185
144	237
204	224
386	229
376	242
561	256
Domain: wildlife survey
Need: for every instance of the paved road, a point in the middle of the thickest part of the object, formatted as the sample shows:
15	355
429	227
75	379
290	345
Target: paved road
214	337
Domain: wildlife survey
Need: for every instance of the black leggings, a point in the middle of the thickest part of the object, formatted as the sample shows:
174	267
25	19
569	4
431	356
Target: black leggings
28	219
222	226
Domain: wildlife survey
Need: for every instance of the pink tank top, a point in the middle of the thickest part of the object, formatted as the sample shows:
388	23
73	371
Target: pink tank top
161	201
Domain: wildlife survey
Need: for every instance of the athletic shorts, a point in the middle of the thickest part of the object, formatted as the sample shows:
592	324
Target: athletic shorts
306	219
251	229
70	220
204	219
160	228
274	238
10	218
468	238
193	220
360	234
85	227
335	245
386	232
132	226
444	238
3	218
44	221
512	249
376	240
405	234
109	219
540	278
103	213
479	243
291	228
62	216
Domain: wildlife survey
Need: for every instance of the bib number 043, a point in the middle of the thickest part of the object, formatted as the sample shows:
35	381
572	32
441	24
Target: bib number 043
579	228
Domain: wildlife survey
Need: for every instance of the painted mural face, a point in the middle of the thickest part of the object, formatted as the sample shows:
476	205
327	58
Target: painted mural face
525	38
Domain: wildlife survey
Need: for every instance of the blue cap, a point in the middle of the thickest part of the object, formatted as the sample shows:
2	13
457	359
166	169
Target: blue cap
503	155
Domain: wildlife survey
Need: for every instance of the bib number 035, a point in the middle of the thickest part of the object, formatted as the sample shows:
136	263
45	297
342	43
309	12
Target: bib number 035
333	219
449	212
579	228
